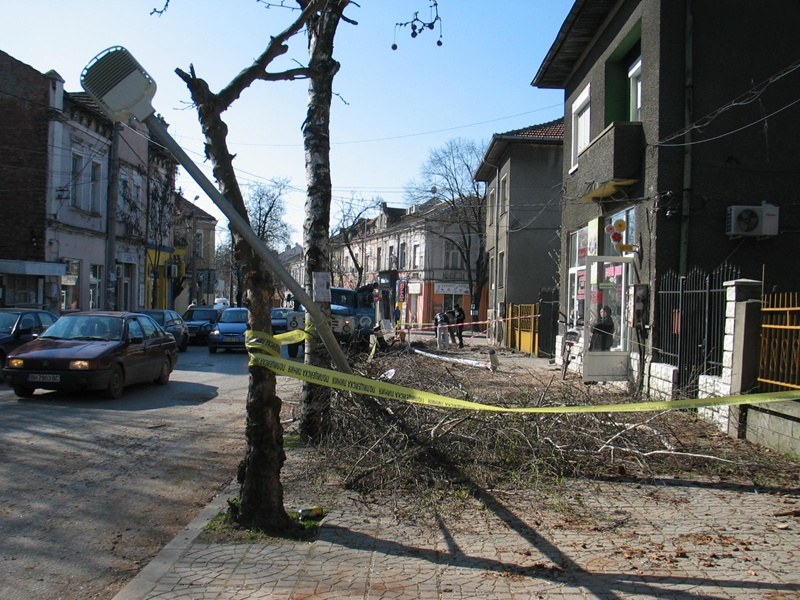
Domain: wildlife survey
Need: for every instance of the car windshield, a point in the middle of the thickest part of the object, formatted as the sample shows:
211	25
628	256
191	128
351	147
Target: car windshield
157	316
279	313
7	321
234	315
201	314
86	327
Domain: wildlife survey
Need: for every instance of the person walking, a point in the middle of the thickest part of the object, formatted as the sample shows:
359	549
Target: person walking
441	322
459	318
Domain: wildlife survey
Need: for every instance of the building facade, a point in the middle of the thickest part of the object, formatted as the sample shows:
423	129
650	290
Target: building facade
522	172
79	197
673	158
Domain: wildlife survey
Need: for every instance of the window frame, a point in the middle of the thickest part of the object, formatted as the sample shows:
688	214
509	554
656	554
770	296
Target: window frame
581	124
635	90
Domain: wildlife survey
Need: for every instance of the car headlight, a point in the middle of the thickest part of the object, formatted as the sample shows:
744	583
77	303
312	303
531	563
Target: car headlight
83	365
15	363
215	332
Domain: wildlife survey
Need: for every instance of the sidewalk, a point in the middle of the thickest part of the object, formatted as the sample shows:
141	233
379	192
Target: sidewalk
673	538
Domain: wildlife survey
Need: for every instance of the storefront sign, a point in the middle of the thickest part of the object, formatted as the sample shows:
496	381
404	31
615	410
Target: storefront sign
451	288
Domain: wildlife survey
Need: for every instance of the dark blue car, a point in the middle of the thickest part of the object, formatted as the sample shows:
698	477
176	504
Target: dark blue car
228	332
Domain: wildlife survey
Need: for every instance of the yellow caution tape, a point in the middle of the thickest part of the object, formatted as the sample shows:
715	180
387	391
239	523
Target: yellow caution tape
258	343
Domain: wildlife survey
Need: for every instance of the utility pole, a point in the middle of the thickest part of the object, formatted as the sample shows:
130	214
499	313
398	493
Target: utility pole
193	291
111	221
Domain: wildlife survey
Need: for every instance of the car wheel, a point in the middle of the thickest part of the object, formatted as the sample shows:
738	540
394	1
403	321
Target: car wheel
115	383
163	377
24	392
184	343
212	349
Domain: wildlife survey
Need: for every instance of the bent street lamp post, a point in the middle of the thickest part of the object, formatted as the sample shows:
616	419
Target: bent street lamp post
123	89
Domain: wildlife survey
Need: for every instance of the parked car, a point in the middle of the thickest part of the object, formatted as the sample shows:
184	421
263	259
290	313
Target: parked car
200	320
228	332
286	319
93	351
21	325
173	323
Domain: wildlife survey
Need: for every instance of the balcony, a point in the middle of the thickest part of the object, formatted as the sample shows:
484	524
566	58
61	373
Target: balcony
613	160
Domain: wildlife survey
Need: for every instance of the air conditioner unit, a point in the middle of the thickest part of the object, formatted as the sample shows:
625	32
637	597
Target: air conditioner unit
752	220
172	271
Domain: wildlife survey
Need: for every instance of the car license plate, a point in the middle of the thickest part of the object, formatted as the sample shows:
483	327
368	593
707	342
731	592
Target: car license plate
44	378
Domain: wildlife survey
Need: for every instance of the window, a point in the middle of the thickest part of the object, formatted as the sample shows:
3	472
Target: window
576	292
627	235
378	259
70	286
124	193
75	181
490	208
503	195
491	273
95	192
198	244
402	264
392	258
415	256
581	120
452	256
95	285
635	89
501	269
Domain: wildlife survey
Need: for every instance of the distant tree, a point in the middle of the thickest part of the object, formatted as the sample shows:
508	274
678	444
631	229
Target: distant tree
448	174
161	215
349	232
266	206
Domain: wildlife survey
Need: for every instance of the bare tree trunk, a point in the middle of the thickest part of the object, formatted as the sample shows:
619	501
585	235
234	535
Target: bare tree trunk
261	498
316	228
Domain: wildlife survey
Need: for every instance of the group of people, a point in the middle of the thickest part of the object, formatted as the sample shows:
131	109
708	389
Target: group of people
449	327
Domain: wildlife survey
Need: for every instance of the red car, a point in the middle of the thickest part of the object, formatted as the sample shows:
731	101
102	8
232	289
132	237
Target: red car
93	351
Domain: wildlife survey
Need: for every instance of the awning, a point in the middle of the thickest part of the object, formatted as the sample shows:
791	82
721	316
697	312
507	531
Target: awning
29	267
607	189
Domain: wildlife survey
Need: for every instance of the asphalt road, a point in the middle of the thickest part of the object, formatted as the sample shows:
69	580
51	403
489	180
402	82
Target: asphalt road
91	489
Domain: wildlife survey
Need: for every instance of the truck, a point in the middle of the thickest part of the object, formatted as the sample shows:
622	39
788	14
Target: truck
352	313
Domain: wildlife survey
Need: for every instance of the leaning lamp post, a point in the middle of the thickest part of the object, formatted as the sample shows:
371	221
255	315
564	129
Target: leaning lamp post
123	89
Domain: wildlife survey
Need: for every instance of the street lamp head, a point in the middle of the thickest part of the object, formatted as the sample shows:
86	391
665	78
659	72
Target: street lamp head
119	84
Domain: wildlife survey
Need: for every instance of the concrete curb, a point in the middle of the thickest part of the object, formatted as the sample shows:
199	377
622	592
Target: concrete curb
146	580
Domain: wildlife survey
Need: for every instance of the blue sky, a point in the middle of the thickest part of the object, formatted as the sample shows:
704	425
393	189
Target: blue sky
393	106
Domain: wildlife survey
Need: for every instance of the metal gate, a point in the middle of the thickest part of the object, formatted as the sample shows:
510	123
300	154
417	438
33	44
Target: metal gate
548	322
691	323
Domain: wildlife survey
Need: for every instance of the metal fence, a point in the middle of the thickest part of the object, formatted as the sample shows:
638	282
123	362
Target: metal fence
779	363
691	323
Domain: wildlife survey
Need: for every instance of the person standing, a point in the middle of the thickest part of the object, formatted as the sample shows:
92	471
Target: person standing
441	322
451	329
602	331
459	318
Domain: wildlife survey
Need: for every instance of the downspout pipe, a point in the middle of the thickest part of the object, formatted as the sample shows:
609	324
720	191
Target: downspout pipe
688	83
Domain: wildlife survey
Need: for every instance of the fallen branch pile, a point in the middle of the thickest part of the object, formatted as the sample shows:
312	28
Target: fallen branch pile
389	445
